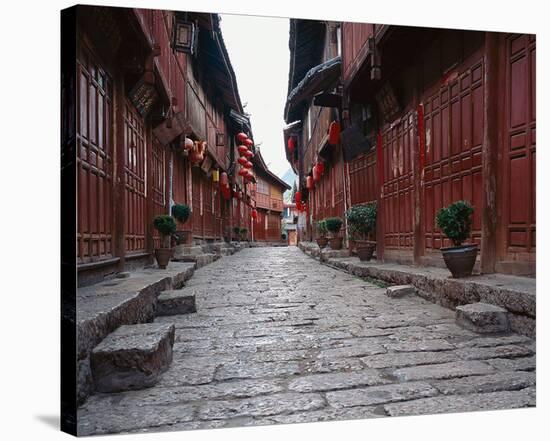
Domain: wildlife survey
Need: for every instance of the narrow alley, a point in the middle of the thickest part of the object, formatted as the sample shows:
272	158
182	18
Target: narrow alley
280	338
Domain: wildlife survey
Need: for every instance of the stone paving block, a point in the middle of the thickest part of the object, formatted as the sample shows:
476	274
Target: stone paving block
401	359
486	383
444	370
482	318
328	414
340	380
245	369
432	345
379	394
261	405
506	351
400	291
177	301
132	357
514	364
462	403
353	351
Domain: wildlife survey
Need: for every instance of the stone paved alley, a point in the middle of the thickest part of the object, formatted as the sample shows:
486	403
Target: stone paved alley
279	338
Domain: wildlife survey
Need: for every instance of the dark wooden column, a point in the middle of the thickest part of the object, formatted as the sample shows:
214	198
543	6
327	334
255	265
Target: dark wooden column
149	202
491	107
119	178
379	199
419	147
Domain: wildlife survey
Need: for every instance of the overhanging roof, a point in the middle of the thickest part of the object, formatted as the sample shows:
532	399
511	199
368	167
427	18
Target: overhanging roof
316	80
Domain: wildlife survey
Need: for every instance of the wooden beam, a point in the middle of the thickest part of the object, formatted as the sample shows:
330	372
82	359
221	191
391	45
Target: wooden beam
491	107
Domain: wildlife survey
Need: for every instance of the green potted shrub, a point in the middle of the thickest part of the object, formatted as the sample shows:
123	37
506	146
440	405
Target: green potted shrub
362	221
322	231
455	221
283	237
182	212
334	224
166	226
244	231
237	231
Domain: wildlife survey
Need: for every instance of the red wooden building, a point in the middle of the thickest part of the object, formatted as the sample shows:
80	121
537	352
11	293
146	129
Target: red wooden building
147	80
431	116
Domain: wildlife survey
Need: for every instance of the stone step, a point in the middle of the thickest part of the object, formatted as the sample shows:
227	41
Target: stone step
132	357
186	250
174	302
199	259
400	290
482	318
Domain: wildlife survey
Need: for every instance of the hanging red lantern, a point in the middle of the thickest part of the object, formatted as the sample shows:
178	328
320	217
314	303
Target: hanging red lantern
309	182
291	144
242	149
250	175
254	214
243	171
321	167
248	164
316	173
241	136
224	180
242	160
240	194
334	133
298	197
248	142
249	154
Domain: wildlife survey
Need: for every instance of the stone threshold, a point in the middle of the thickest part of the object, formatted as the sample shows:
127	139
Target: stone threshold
103	307
514	293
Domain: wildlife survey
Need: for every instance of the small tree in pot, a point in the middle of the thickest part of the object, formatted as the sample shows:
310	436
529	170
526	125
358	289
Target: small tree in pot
334	224
166	226
237	231
322	231
455	221
244	232
362	221
181	213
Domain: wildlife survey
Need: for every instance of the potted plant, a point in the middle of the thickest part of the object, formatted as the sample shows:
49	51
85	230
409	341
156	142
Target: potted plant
283	237
237	231
352	238
322	231
334	224
166	226
455	221
362	221
243	233
181	213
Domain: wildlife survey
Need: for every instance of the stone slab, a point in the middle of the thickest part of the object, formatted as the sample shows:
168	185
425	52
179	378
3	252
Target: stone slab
339	380
400	290
444	370
132	357
482	318
177	301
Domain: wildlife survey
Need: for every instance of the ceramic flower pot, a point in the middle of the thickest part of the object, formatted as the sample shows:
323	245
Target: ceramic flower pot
163	256
460	260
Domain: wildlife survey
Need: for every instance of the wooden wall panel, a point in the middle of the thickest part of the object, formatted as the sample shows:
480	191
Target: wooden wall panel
134	179
94	138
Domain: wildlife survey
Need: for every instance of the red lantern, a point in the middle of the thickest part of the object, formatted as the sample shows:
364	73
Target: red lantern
316	173
291	144
248	164
334	133
240	194
242	172
242	149
250	175
248	142
224	180
242	160
254	214
241	136
298	197
321	167
249	154
309	182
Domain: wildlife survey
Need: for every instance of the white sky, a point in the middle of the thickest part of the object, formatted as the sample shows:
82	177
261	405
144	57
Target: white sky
258	49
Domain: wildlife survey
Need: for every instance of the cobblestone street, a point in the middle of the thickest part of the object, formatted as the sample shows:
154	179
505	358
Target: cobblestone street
279	338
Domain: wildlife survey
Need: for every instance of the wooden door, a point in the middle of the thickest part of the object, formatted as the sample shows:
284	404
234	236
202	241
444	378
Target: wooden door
517	232
134	179
94	144
158	176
